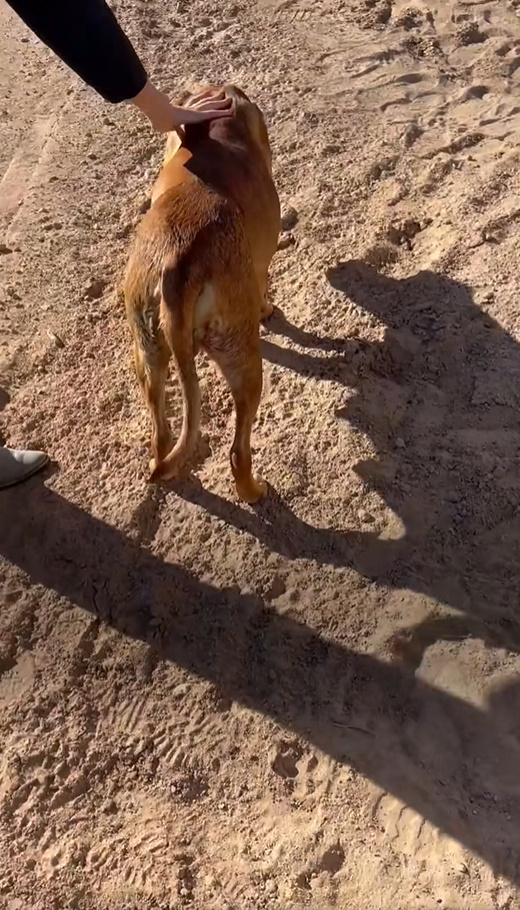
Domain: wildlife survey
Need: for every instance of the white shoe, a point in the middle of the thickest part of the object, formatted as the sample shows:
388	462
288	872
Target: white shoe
18	464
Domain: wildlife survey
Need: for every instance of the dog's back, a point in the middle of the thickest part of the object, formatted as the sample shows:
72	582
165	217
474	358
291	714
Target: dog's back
198	276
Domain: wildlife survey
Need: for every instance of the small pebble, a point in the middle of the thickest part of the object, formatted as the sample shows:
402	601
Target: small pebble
490	236
56	339
399	443
180	690
289	218
285	242
95	289
412	132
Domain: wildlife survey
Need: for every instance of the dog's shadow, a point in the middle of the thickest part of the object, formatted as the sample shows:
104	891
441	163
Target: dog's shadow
343	359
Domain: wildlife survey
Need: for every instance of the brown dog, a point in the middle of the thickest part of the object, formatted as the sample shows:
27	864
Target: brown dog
197	278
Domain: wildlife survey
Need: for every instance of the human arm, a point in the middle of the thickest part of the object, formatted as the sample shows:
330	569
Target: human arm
86	35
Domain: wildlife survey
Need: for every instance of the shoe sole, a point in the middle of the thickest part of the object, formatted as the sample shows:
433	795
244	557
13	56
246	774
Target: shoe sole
30	473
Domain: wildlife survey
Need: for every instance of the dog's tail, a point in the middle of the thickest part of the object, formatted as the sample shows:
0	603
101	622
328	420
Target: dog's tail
178	299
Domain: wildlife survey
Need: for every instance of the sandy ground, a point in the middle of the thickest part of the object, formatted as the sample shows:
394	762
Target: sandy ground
315	702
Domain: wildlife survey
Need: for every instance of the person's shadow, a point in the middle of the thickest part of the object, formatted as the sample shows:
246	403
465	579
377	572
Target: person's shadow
454	477
435	752
440	399
438	754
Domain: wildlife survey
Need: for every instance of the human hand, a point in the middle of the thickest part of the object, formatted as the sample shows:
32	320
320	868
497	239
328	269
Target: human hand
165	117
208	105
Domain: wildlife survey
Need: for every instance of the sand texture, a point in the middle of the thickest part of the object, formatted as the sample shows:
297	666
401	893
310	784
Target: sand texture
314	702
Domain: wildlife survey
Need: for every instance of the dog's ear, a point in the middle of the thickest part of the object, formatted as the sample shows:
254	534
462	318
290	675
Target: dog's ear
174	141
236	93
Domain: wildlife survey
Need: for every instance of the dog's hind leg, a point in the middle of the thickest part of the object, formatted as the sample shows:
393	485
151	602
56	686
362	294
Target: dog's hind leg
241	365
151	355
177	323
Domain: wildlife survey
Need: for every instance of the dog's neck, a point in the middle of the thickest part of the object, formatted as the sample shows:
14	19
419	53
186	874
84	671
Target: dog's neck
220	153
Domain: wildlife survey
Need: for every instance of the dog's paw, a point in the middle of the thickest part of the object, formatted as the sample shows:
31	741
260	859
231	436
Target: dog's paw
254	490
154	475
163	470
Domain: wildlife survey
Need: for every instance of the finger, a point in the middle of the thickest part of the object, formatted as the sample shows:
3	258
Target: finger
216	100
204	96
204	93
197	116
212	106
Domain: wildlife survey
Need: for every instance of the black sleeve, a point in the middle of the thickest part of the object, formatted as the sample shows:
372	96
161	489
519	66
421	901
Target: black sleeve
86	35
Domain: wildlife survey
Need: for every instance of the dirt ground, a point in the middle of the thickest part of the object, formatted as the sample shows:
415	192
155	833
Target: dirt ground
314	702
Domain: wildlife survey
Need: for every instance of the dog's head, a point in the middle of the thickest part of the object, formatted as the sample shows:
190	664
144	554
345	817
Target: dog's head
247	114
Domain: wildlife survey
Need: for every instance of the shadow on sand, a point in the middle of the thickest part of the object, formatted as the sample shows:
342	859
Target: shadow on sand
458	465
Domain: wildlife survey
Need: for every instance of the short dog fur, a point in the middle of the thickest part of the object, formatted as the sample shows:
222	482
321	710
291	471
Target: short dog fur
197	278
